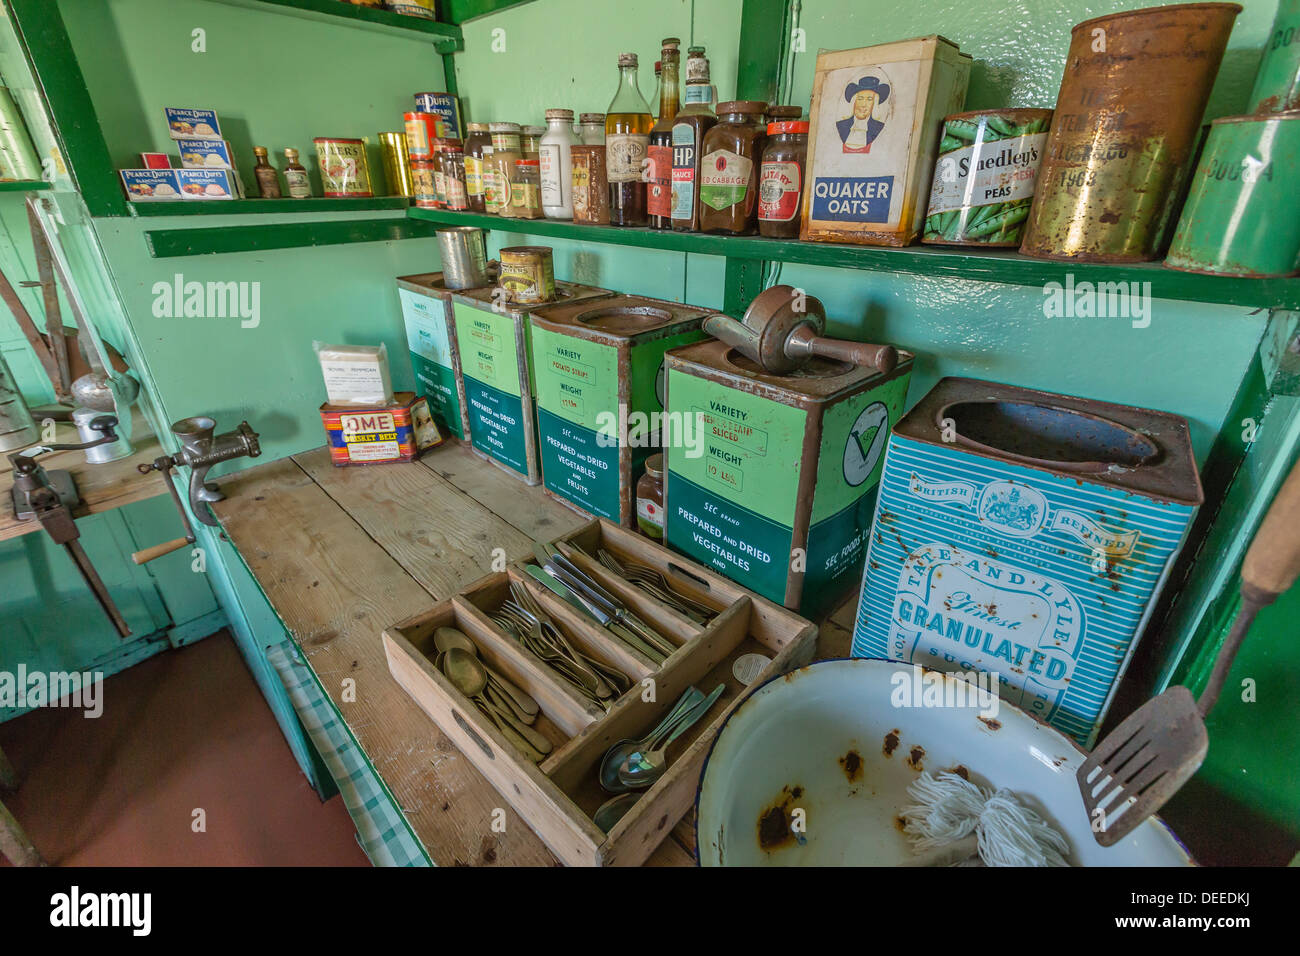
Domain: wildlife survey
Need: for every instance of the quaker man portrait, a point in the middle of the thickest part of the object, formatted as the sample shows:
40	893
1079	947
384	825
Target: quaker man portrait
859	131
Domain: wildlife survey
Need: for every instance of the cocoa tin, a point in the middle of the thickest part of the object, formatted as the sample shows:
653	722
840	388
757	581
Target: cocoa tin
1277	84
1027	534
599	375
778	492
1126	123
494	375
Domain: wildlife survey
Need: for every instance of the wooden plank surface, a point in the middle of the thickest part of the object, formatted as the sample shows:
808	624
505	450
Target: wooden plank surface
102	487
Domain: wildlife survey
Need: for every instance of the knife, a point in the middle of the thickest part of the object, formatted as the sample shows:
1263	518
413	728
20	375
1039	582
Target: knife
547	579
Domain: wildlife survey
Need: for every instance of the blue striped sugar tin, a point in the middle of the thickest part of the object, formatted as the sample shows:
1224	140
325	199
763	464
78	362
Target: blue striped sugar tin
1027	534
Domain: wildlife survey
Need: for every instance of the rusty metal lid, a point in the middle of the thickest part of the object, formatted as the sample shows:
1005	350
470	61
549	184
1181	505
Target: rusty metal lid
564	292
621	317
742	106
1137	449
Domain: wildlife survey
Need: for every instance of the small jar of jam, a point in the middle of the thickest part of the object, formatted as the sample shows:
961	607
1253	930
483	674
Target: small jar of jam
729	169
780	179
526	189
650	498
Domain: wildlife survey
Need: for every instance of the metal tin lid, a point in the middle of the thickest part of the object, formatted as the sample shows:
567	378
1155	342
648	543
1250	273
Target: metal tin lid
259	151
592	118
478	127
627	59
777	113
671	41
290	154
560	114
790	126
534	130
742	106
503	127
654	465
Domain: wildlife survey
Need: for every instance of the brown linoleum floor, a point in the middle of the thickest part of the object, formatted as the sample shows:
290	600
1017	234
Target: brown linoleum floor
185	730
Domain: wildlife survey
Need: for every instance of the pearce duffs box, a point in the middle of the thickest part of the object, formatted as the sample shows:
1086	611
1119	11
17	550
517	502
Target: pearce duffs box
151	185
207	184
187	123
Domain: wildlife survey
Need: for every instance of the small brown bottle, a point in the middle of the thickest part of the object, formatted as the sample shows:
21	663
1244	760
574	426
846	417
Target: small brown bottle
295	176
268	183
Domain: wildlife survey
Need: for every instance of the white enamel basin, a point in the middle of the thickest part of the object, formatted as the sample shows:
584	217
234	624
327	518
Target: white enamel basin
788	745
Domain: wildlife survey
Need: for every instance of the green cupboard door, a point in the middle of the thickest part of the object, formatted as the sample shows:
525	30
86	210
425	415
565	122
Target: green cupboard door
50	621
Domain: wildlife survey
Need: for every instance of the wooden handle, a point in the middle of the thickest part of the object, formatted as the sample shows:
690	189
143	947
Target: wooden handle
158	550
1273	561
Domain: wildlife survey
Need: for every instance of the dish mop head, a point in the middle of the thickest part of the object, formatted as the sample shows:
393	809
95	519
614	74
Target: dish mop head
949	808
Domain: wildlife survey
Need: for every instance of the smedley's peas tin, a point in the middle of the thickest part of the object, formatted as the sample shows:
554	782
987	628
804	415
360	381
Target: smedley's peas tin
984	177
344	172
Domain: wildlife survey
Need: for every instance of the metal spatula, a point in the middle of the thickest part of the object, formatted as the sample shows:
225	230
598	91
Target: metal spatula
1142	762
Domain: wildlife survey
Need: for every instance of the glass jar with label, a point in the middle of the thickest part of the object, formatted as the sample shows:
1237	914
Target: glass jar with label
453	176
557	164
530	139
650	498
627	139
689	126
478	138
591	129
437	146
506	152
729	169
526	189
780	179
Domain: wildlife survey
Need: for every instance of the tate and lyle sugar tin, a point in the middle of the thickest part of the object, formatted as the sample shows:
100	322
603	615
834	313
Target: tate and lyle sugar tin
1026	534
984	177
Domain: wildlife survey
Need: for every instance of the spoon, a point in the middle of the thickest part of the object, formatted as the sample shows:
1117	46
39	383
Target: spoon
467	674
618	753
643	767
523	705
613	810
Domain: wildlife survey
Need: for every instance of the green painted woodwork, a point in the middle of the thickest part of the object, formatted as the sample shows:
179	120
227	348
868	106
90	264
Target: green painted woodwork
446	36
953	262
23	185
243	207
169	243
458	11
762	40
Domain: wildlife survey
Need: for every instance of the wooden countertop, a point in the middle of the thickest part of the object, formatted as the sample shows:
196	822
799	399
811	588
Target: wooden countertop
341	553
102	487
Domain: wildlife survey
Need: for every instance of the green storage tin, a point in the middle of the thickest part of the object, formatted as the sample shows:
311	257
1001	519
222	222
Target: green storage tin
494	378
599	373
1242	216
431	339
1277	84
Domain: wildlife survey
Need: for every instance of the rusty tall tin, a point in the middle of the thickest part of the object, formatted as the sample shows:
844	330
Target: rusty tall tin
494	374
1126	123
598	368
1242	216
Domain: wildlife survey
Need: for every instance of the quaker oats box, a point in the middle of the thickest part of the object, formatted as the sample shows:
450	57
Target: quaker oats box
1029	535
876	116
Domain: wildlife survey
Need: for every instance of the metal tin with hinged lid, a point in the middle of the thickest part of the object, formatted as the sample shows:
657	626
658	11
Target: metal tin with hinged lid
494	372
599	374
779	493
1028	534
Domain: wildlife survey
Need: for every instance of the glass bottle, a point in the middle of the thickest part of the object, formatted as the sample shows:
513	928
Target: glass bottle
530	139
627	137
659	188
268	183
557	164
591	129
295	176
505	150
654	103
478	138
650	498
694	120
729	169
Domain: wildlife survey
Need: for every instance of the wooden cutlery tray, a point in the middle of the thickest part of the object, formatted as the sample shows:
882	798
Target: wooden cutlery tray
558	796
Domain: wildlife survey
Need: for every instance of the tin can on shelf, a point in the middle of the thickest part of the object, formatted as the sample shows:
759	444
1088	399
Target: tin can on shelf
1277	84
1126	123
463	251
397	164
344	171
1242	215
426	190
528	274
590	185
984	177
361	435
421	131
446	109
1025	534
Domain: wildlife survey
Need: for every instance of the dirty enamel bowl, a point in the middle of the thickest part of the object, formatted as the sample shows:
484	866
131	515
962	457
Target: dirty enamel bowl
827	740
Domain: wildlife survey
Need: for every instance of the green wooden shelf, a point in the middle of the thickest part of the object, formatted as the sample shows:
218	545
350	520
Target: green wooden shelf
934	261
446	36
172	243
240	207
23	185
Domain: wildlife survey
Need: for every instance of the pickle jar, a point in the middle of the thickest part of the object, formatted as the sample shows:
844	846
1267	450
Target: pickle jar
729	169
591	129
780	179
650	498
526	189
478	138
